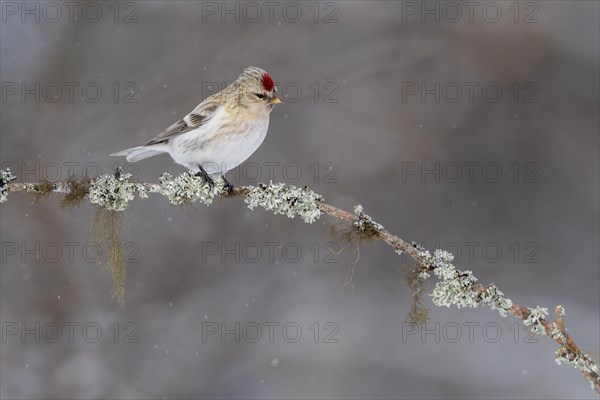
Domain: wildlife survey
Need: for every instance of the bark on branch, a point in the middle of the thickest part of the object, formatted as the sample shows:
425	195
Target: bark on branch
112	194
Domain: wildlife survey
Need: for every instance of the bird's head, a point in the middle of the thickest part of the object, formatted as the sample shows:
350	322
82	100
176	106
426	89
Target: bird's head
257	88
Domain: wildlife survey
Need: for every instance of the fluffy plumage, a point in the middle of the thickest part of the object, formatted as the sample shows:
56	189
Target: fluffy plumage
222	131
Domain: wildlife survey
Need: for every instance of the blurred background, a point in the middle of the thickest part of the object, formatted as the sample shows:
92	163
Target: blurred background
472	128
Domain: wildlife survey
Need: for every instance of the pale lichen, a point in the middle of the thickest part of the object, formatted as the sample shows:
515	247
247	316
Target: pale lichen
493	297
365	224
457	291
114	192
581	362
362	230
456	287
440	262
285	199
534	320
556	334
188	188
5	178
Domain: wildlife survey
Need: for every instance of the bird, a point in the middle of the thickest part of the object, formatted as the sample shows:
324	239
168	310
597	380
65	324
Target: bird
222	132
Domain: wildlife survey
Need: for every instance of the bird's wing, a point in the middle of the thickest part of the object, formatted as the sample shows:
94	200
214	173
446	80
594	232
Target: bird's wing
193	120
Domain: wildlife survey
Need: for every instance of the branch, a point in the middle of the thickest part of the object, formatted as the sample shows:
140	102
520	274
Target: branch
113	193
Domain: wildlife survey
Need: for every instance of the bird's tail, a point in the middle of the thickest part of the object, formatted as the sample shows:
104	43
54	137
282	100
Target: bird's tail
138	153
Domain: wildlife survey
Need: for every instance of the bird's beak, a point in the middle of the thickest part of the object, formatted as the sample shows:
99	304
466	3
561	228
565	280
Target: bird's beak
275	100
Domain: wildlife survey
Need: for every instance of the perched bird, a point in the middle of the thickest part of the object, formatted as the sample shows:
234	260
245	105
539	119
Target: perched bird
221	132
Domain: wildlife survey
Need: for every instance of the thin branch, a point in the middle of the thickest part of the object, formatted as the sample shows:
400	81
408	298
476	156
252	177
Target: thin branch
454	287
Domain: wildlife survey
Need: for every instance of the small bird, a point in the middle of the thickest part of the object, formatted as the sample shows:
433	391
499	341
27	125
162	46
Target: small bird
221	132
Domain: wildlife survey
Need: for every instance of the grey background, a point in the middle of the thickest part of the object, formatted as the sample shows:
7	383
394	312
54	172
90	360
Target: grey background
371	135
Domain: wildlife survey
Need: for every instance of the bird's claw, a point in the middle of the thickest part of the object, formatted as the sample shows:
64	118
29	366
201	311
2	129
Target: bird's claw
227	186
202	174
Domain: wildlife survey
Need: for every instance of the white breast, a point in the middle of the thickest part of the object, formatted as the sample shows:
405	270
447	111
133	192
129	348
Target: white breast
221	144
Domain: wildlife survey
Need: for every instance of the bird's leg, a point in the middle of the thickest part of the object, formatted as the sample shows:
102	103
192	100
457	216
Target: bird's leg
228	186
202	173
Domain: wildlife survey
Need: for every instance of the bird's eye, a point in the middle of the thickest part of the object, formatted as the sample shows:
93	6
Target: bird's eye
259	95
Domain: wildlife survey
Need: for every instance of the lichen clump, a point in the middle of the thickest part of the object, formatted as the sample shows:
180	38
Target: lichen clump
5	178
496	300
365	224
456	287
188	188
285	199
114	192
534	318
581	362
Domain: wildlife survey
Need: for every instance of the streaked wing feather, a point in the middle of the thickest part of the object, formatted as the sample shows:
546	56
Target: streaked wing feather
190	122
194	119
176	129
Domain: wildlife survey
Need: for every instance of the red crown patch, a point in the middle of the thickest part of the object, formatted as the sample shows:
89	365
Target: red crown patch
267	82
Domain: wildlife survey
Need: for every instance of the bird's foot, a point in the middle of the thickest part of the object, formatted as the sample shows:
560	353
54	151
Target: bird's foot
202	174
227	186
